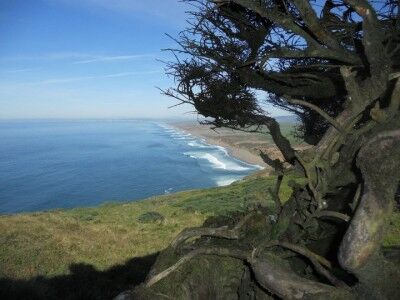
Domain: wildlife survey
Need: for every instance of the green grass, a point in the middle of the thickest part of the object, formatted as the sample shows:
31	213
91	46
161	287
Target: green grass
103	249
288	130
48	243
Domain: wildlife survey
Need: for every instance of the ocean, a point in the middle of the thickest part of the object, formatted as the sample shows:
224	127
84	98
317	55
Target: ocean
63	164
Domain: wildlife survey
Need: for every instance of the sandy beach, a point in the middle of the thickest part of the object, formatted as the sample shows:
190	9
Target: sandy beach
241	145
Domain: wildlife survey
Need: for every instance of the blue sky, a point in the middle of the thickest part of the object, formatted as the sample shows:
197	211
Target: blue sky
86	58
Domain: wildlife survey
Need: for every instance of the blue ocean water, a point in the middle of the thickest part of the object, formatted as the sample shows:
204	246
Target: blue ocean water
63	164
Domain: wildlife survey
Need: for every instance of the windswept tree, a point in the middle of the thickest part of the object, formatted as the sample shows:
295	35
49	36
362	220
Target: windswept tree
336	65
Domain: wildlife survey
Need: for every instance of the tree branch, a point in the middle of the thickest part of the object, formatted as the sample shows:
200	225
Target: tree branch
316	109
312	22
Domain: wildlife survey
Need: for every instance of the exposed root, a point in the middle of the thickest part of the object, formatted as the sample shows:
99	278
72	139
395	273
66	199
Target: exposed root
200	251
221	232
284	283
272	276
333	214
325	273
295	248
314	258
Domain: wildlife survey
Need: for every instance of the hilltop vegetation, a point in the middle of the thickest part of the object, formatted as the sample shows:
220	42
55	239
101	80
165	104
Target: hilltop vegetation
99	251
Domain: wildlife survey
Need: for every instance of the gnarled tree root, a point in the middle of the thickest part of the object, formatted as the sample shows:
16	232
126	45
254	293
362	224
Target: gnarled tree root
220	232
270	272
317	261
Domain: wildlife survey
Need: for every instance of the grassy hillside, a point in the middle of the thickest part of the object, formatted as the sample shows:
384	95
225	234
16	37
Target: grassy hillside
46	243
96	252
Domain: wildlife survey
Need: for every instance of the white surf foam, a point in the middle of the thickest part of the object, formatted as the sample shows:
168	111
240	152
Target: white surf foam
216	161
217	156
198	144
224	181
209	157
223	150
175	133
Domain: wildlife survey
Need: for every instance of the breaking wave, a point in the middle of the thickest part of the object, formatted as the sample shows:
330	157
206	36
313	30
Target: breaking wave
226	169
217	161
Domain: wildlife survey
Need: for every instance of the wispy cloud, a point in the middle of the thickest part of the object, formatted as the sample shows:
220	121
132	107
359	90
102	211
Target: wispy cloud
123	74
83	78
18	71
78	57
48	56
113	58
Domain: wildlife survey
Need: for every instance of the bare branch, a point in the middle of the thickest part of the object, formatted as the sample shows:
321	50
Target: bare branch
317	109
311	20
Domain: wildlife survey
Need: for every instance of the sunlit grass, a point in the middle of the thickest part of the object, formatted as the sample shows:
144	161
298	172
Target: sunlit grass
48	243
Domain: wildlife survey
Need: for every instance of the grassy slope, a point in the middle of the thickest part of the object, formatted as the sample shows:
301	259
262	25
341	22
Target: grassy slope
48	243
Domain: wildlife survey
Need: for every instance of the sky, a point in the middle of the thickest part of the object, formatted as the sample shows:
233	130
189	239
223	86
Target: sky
88	58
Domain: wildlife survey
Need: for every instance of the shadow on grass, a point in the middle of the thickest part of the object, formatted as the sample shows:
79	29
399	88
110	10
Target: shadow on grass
83	282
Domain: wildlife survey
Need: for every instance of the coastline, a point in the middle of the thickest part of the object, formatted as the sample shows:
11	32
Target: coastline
221	139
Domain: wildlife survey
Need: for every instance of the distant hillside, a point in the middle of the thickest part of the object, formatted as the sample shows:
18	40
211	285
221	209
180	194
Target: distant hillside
287	119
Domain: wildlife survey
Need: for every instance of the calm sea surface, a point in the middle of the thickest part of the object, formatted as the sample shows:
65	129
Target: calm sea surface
62	164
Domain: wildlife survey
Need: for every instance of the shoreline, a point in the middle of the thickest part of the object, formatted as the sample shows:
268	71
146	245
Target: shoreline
212	138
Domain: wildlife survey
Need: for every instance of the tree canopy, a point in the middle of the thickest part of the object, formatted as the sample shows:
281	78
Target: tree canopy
293	50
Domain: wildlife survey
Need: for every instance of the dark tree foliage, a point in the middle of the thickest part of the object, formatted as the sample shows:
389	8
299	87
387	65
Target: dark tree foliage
336	65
